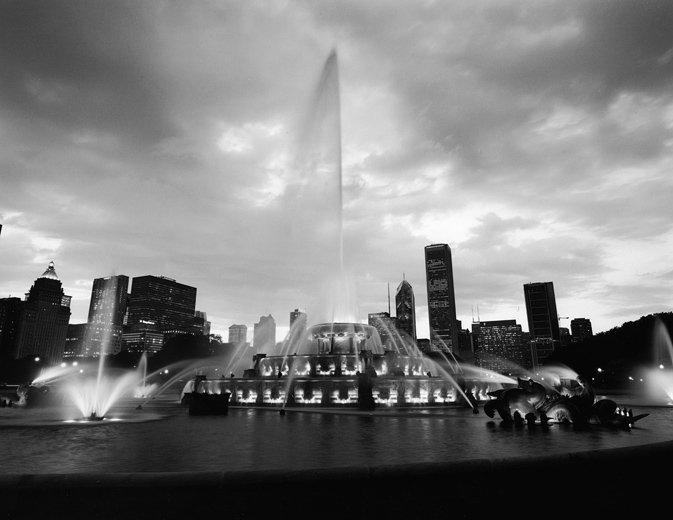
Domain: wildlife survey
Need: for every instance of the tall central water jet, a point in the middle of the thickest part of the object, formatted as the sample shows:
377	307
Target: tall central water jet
333	359
320	188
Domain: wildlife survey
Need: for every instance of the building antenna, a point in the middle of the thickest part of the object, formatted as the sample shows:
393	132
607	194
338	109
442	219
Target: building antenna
388	298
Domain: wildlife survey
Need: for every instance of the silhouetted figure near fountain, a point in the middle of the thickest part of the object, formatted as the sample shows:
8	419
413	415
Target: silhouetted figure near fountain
365	396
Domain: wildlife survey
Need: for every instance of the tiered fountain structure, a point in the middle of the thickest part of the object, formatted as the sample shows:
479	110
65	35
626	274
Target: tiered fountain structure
345	365
338	362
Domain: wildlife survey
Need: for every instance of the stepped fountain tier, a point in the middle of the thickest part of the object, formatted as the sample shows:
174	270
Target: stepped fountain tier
346	365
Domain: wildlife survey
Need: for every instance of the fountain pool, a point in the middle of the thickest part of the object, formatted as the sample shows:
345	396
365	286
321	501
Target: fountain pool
162	437
333	463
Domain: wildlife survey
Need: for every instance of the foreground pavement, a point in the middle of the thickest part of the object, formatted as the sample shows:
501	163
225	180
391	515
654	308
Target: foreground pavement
606	483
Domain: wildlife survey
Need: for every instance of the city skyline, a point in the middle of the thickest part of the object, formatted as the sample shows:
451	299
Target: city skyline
534	140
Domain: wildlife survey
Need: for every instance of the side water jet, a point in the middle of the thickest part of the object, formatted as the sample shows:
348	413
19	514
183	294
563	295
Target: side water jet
659	378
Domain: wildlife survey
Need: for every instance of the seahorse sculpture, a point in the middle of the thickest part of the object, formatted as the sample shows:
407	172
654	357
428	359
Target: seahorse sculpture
531	402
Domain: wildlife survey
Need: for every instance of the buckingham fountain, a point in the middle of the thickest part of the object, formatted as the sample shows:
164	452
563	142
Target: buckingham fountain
424	454
338	362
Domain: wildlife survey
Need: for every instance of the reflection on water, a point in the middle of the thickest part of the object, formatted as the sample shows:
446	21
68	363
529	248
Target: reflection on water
163	437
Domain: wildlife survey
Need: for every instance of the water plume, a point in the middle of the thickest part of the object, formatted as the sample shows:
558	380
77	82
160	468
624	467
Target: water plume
318	198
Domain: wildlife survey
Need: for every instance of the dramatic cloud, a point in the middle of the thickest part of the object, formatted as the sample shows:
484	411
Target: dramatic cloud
172	138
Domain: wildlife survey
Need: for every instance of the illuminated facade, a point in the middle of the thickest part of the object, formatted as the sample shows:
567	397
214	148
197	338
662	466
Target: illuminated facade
441	298
500	346
43	324
163	302
142	341
109	297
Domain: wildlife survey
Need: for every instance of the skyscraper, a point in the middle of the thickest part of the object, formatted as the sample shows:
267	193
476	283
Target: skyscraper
107	308
10	317
201	323
43	323
264	334
386	327
108	300
543	324
405	309
298	323
441	297
580	329
298	314
161	301
238	334
500	347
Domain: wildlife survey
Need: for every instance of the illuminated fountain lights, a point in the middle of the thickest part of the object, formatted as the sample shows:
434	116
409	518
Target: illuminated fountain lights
346	365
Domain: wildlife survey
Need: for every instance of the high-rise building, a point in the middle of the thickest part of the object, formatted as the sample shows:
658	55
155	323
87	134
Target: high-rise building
108	300
298	314
109	297
298	324
142	339
441	297
543	324
10	316
43	323
75	341
163	302
405	309
238	334
580	329
201	323
264	334
500	347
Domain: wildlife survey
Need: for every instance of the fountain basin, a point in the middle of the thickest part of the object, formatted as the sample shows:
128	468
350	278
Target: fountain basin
345	365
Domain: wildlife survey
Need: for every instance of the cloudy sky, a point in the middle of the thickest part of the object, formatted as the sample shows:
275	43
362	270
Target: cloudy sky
157	137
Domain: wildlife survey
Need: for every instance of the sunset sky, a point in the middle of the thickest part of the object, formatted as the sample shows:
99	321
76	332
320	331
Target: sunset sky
160	137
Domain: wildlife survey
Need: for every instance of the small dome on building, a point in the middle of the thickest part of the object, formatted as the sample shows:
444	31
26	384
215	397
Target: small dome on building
50	272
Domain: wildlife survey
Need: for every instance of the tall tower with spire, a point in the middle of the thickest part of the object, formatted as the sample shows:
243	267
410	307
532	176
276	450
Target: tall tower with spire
43	323
405	308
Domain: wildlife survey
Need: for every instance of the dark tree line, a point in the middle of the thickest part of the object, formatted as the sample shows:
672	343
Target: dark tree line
617	352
